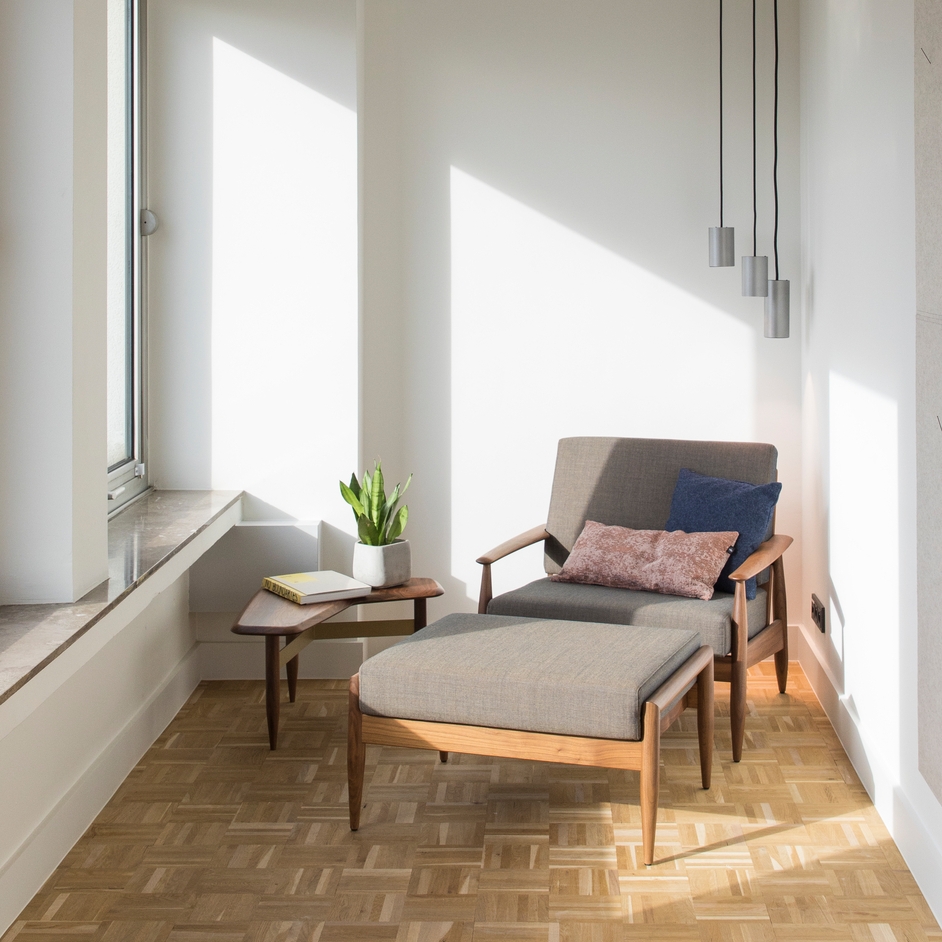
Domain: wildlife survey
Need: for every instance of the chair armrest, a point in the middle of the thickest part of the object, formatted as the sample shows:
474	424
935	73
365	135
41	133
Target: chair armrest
762	558
536	535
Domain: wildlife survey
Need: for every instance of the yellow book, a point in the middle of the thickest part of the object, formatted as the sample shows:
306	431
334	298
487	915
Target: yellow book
323	586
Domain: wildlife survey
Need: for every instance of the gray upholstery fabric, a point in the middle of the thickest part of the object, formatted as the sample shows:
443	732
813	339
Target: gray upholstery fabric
628	482
546	676
595	603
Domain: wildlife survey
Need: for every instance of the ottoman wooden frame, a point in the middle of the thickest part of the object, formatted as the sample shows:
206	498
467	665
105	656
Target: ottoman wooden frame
691	684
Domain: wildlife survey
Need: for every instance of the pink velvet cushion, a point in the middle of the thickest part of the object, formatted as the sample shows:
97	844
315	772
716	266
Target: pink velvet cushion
670	562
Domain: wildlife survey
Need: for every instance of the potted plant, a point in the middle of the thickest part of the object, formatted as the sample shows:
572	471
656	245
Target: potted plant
380	558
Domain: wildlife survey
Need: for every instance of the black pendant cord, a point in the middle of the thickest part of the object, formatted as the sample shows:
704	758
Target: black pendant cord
755	212
775	142
721	114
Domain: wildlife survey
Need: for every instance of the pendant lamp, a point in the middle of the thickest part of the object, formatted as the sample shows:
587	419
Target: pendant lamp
722	240
777	300
755	268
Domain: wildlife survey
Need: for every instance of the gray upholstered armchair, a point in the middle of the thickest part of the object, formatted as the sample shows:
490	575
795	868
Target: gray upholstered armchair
629	482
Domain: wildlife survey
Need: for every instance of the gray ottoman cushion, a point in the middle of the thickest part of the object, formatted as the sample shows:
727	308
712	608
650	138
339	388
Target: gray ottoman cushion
542	675
568	600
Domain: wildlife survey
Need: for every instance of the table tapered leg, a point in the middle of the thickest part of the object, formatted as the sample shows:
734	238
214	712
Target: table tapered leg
419	614
356	753
272	687
292	670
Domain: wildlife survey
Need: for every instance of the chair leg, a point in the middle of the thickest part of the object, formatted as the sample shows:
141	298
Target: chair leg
781	612
737	706
705	718
781	667
650	774
356	753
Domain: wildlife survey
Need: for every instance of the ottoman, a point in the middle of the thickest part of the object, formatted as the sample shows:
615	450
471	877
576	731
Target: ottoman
535	689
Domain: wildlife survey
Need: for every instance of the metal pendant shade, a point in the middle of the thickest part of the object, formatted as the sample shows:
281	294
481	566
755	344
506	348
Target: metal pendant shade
777	300
776	310
722	247
722	238
755	276
755	267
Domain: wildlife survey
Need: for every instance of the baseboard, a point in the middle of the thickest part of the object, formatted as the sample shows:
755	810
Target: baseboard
909	829
29	866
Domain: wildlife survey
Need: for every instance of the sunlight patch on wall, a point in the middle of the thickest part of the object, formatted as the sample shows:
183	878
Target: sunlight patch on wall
554	335
284	347
863	536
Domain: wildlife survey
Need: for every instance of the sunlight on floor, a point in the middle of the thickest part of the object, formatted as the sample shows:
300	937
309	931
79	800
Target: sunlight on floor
213	836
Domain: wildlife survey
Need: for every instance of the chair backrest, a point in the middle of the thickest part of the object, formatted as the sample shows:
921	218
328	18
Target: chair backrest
629	482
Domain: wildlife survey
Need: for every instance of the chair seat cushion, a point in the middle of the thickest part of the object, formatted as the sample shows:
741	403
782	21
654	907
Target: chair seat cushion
541	675
593	603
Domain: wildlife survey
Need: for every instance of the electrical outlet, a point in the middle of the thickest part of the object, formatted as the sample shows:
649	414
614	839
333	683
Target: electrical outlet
817	612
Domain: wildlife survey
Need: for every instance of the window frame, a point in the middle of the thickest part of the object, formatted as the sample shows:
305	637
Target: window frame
128	479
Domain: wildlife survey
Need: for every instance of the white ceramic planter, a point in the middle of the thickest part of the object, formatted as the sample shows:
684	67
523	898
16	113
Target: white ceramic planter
383	566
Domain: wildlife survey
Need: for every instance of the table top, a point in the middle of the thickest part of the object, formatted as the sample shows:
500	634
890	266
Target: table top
270	614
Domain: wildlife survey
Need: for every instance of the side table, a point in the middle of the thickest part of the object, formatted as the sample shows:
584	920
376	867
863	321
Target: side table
272	617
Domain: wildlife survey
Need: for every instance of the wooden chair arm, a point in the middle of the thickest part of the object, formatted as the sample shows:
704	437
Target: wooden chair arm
516	543
536	535
762	558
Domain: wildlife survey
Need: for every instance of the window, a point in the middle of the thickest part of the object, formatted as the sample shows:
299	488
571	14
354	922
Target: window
126	257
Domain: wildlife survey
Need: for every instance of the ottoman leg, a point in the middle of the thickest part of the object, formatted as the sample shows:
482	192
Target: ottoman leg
650	773
705	721
356	753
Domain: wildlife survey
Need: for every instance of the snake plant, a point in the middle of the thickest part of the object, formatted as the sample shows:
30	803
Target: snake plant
378	520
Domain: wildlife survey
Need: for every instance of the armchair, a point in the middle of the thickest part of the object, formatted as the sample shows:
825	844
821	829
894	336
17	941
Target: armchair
629	482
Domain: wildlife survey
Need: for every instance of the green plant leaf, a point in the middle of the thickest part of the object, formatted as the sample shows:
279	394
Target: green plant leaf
378	521
351	497
377	495
398	524
385	517
367	531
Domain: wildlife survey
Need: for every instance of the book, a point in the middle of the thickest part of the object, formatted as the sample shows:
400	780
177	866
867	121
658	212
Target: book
323	586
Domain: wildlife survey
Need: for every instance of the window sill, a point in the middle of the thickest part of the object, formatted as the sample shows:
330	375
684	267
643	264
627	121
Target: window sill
142	539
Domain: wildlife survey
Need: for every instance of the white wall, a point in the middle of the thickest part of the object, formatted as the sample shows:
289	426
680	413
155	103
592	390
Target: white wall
253	272
928	114
53	536
537	181
859	446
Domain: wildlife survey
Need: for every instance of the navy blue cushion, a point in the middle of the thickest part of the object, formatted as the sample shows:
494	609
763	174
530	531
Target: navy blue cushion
705	504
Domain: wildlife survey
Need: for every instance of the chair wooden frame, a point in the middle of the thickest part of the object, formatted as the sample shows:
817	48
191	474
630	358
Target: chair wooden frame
691	682
744	651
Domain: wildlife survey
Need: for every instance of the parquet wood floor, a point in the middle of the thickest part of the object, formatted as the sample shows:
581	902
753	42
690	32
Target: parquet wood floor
213	837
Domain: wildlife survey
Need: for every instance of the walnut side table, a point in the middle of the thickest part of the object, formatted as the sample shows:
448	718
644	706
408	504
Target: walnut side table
273	617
